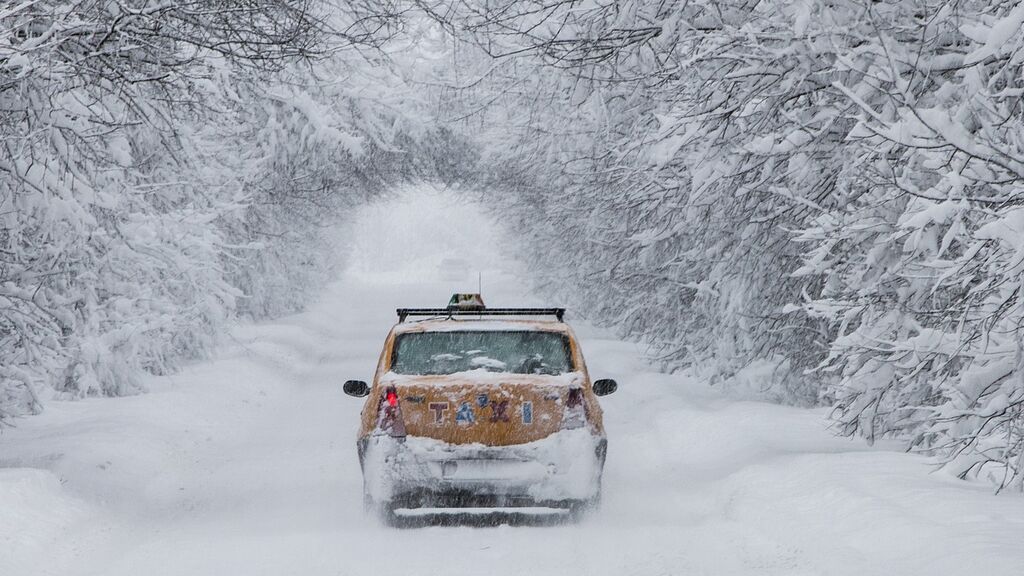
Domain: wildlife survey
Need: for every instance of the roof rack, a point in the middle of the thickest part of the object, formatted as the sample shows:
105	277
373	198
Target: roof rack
404	313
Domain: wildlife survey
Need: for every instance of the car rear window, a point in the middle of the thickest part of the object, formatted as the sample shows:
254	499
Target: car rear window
510	351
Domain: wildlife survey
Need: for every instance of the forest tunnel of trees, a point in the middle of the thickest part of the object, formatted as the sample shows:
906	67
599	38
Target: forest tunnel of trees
824	195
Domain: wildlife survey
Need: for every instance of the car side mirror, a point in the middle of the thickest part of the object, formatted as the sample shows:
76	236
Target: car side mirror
356	388
605	386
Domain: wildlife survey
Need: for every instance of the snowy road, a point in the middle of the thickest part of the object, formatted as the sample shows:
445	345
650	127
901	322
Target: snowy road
245	464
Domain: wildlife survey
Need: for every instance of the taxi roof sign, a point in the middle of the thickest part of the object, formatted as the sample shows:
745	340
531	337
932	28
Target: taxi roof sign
466	302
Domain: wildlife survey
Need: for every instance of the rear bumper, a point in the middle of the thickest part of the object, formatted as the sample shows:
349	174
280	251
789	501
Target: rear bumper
560	470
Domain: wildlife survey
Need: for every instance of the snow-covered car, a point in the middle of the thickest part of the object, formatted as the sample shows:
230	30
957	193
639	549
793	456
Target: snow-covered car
474	407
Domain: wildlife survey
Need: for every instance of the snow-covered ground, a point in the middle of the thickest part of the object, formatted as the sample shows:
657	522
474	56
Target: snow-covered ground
246	464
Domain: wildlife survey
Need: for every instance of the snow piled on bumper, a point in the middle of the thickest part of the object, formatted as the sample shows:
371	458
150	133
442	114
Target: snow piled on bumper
565	466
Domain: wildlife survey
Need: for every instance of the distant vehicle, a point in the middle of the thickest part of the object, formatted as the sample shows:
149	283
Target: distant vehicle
475	407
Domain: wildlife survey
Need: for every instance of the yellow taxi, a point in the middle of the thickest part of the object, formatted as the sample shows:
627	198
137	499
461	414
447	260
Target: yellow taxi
474	407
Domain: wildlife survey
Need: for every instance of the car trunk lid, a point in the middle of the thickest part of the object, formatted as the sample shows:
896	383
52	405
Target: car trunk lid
493	409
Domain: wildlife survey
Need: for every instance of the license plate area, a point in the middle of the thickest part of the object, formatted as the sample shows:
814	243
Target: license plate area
469	470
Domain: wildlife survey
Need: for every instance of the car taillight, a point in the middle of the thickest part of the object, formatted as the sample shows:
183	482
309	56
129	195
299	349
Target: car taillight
389	414
575	415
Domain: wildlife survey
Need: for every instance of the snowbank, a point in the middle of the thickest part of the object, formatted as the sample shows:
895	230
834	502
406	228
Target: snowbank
36	514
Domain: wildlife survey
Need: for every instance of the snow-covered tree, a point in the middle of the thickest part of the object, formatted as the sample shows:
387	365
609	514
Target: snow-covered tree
162	164
923	269
829	189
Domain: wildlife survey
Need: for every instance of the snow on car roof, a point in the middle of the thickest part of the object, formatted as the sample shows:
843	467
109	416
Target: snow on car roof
452	325
481	376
